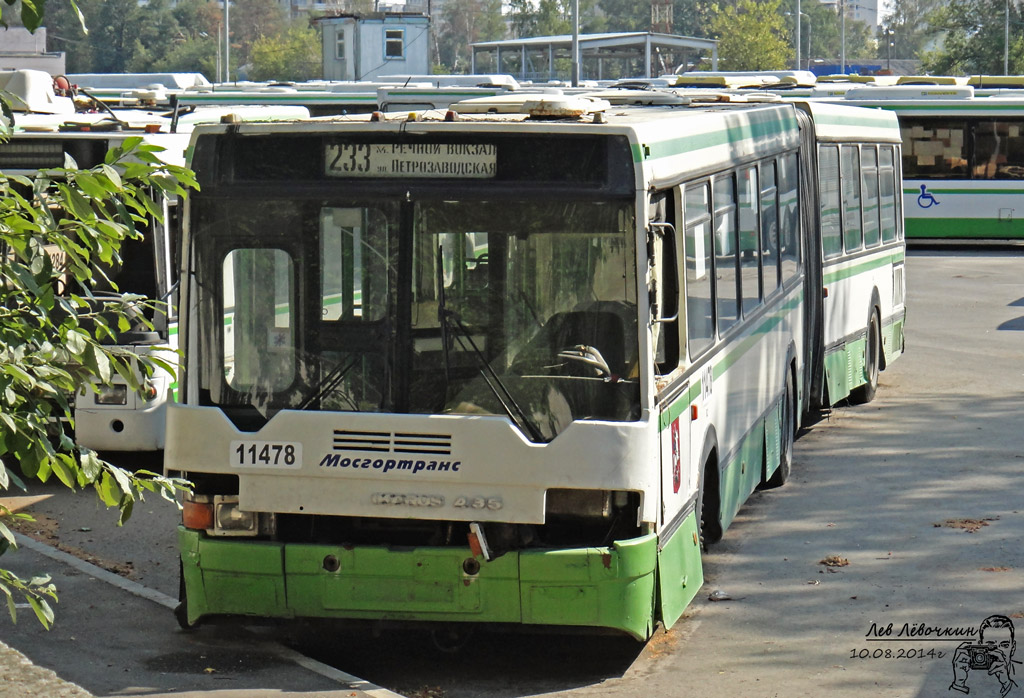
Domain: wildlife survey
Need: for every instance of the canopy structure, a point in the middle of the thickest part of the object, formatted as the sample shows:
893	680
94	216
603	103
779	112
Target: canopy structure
544	57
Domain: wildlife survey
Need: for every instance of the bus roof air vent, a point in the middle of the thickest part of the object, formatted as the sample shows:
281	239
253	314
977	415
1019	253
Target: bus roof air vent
564	107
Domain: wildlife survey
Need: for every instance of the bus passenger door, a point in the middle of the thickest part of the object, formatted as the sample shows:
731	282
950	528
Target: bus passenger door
679	567
679	571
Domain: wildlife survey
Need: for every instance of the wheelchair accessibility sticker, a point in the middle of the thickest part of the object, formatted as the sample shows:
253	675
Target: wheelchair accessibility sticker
926	200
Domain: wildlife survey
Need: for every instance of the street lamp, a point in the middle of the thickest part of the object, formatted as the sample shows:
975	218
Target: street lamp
842	46
888	32
842	41
800	14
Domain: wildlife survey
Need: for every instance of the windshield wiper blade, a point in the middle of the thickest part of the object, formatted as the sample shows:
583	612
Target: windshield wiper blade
329	382
490	376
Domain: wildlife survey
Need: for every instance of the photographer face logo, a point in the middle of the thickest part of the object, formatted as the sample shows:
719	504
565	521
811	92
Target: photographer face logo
992	655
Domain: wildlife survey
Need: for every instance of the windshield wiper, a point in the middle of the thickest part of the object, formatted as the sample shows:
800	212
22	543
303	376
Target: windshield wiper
501	393
331	381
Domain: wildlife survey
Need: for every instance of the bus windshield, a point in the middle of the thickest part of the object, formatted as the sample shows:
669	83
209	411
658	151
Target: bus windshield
514	308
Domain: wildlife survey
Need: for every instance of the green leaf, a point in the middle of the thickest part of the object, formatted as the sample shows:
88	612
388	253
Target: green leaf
8	536
76	342
32	14
81	17
63	468
112	175
108	491
92	468
43	611
127	504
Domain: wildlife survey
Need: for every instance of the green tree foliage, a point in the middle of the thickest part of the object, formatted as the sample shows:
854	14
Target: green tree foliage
165	36
30	13
254	20
292	55
689	17
974	40
58	231
752	35
912	31
463	22
552	17
821	34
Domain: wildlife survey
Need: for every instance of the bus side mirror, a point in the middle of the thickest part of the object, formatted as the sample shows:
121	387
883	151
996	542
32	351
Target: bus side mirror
664	285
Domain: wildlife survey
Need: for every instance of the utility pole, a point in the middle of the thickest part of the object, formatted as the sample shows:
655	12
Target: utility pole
842	40
798	23
227	41
575	43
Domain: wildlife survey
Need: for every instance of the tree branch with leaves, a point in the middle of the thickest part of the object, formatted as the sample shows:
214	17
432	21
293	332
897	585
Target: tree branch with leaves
59	231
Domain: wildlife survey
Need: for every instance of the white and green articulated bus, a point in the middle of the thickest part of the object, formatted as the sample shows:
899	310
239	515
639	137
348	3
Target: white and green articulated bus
505	369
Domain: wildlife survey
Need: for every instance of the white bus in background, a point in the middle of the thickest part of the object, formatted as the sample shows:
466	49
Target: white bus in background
49	132
963	158
579	345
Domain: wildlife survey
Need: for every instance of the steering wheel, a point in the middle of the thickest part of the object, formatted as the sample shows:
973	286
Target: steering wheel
587	356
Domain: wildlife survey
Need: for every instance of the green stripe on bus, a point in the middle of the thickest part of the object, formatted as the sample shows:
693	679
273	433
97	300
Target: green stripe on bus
965	228
756	126
830	277
970	192
680	404
946	107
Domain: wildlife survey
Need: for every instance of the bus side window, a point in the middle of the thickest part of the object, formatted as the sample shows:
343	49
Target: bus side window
700	325
666	269
869	174
789	217
998	149
935	148
853	234
726	257
769	229
887	194
828	185
750	248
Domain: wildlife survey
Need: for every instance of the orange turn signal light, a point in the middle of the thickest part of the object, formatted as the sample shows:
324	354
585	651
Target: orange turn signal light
693	413
197	515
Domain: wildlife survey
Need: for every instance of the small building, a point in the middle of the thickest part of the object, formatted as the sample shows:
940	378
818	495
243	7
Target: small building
374	45
21	49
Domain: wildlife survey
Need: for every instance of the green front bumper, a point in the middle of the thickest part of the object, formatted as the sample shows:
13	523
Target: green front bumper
611	587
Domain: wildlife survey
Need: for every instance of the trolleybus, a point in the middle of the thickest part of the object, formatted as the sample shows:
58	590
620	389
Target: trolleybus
506	369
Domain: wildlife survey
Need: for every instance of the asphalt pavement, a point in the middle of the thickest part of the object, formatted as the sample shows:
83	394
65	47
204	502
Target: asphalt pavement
133	647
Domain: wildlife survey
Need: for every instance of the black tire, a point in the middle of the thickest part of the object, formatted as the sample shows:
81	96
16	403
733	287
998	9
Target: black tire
181	610
708	521
788	436
872	363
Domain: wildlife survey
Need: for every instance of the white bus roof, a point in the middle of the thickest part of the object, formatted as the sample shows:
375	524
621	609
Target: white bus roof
131	81
32	91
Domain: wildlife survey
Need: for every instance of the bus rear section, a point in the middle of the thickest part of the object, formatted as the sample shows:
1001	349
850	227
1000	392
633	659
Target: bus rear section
444	371
114	417
863	251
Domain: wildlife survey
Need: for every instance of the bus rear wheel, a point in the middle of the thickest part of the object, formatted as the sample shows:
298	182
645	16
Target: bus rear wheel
788	435
872	363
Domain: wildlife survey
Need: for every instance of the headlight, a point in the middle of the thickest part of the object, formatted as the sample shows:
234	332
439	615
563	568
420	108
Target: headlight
230	520
579	503
112	395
